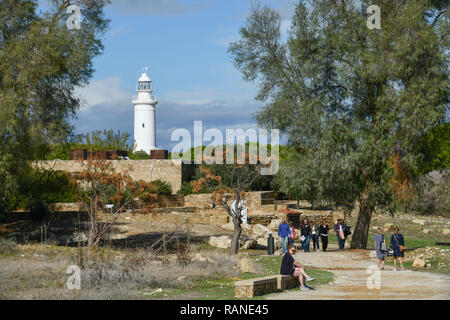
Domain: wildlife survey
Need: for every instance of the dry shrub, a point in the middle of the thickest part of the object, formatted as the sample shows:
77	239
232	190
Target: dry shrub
8	246
38	276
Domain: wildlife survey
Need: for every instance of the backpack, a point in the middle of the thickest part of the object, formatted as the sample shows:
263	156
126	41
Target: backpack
347	231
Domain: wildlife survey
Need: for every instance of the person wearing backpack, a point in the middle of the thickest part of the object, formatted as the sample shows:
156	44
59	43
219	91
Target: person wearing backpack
380	247
398	244
339	228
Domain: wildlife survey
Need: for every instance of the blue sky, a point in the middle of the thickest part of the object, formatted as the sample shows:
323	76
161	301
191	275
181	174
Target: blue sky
184	44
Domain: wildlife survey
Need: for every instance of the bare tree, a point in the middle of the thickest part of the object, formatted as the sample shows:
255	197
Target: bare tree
103	190
230	196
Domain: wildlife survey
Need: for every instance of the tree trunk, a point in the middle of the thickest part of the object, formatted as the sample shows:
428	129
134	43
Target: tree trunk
361	232
236	236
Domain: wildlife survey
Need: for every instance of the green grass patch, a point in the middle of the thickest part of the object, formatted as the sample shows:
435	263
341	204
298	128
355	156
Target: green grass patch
435	265
223	288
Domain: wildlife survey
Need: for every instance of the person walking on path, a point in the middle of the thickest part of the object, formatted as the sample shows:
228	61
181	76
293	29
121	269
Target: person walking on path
339	228
292	235
284	232
398	244
305	231
291	267
380	247
315	236
323	231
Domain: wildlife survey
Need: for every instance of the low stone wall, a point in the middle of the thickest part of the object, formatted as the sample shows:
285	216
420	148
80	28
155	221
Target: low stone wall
176	216
171	171
198	200
261	219
256	200
318	217
171	201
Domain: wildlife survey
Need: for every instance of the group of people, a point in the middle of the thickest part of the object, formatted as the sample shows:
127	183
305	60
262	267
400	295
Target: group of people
293	268
310	231
397	245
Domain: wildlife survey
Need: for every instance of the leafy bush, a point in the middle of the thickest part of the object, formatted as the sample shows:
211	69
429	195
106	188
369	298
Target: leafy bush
139	155
162	187
432	196
39	188
96	140
186	189
227	173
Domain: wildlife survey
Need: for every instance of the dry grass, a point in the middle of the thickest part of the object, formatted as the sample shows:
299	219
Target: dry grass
39	272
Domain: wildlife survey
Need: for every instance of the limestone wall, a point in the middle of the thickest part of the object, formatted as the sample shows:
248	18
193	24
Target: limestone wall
257	201
177	215
318	217
170	171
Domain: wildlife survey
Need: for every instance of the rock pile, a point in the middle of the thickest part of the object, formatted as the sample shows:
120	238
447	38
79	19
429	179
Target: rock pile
421	257
252	237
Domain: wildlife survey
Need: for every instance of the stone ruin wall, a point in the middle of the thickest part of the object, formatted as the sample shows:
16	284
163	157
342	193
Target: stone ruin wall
172	171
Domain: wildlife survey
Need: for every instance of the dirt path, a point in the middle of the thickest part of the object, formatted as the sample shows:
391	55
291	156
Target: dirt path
351	276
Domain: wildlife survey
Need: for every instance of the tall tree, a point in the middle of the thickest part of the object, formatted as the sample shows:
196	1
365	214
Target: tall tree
42	60
350	96
229	191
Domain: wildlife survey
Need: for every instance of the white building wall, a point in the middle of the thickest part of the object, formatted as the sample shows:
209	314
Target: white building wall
144	127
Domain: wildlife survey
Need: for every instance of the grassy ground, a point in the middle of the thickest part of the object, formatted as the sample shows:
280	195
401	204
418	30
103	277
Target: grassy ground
222	288
38	271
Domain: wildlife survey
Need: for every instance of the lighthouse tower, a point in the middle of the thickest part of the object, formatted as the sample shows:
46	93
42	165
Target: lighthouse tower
144	115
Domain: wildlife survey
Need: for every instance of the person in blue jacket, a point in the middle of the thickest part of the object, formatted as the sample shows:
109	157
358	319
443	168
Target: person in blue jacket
284	231
397	241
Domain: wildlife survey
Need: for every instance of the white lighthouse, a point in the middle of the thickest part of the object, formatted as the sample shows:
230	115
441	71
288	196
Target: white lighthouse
144	115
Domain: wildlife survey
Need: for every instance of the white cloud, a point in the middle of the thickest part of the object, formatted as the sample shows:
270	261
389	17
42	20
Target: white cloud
195	96
108	106
104	91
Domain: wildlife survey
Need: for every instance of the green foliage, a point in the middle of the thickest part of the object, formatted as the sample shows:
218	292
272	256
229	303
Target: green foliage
39	188
140	155
190	154
432	194
41	64
186	189
435	148
97	140
349	96
161	187
230	175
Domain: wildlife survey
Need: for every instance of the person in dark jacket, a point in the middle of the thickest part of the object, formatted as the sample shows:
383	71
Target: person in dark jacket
284	232
339	228
323	231
291	267
397	240
305	231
